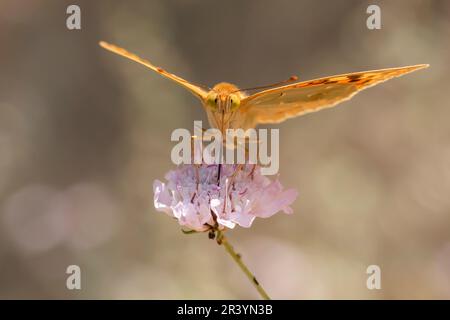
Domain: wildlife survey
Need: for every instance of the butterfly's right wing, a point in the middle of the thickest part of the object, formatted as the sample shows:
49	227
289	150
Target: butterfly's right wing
194	89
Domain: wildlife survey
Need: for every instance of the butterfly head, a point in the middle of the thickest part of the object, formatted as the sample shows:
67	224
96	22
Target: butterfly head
222	102
223	98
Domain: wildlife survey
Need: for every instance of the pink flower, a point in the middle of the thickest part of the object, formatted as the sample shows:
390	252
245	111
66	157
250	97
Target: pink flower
194	196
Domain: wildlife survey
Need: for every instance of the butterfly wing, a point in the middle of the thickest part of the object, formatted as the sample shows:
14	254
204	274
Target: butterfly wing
194	89
281	103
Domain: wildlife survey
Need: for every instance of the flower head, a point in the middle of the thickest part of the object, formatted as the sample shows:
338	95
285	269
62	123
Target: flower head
202	197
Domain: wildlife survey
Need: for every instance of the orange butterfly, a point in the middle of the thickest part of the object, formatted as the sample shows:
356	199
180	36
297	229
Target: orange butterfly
228	107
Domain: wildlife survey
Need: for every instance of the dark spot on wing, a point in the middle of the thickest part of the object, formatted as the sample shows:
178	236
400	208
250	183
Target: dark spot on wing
354	77
160	70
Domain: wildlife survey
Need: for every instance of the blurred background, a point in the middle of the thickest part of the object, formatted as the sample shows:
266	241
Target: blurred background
83	134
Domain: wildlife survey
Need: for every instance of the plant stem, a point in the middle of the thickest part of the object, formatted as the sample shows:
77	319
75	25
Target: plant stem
221	239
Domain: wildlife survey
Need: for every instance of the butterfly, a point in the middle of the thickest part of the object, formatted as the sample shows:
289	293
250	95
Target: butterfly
228	107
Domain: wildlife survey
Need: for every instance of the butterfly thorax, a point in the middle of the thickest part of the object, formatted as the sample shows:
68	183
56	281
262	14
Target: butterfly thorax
222	106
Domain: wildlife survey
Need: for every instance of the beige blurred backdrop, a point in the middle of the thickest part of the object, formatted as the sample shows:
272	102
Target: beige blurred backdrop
83	134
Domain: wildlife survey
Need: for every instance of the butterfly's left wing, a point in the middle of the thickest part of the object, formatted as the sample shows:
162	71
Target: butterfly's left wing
281	103
194	89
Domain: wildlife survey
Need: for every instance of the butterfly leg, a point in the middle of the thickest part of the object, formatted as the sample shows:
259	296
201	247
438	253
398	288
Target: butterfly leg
196	165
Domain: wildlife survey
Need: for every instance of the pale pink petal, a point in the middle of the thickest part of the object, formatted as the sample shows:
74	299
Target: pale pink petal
162	199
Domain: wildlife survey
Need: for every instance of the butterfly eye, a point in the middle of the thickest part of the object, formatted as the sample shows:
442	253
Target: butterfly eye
234	101
211	100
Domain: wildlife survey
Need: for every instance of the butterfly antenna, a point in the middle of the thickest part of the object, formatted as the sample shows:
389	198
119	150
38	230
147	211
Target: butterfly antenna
292	78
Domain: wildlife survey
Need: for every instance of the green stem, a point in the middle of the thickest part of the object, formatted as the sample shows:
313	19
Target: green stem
221	239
